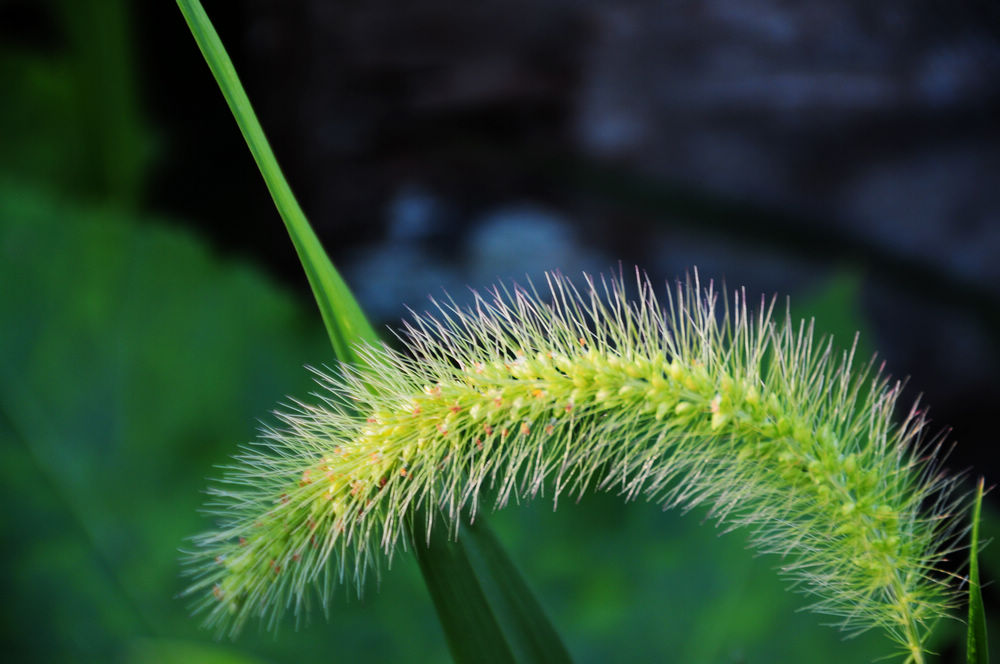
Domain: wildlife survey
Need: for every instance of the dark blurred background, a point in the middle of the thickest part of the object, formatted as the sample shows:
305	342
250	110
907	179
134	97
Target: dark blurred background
152	309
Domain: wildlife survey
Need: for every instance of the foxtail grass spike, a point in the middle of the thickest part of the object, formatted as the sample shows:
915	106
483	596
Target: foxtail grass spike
693	401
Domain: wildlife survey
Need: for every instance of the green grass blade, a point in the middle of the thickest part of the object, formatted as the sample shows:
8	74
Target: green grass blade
472	628
515	606
977	651
345	322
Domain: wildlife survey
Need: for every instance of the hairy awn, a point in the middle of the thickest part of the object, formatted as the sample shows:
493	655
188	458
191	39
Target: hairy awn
683	403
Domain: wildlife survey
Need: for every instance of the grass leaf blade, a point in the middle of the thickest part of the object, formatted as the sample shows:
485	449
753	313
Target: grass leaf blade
977	650
515	606
345	322
470	626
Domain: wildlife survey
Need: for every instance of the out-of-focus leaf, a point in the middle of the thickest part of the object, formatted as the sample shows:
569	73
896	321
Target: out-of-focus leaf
132	359
71	115
177	651
836	309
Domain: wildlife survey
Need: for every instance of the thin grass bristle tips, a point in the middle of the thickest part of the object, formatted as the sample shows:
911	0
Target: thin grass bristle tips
693	399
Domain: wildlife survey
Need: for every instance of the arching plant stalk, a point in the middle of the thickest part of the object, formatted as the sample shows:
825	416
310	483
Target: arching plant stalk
686	403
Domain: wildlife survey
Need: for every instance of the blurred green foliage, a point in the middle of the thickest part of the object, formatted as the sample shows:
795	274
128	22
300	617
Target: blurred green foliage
133	360
72	114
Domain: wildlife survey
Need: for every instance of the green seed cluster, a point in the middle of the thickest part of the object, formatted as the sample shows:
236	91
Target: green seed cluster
682	404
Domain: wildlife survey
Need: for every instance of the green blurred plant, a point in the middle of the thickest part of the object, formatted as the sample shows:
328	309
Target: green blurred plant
77	123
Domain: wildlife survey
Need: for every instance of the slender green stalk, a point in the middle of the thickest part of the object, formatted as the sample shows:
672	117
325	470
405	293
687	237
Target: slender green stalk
976	646
524	395
344	320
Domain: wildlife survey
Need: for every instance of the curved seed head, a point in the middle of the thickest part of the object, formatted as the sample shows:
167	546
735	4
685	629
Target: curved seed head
684	402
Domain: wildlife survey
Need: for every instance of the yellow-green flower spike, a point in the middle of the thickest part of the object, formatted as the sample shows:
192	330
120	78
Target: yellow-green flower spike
685	403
